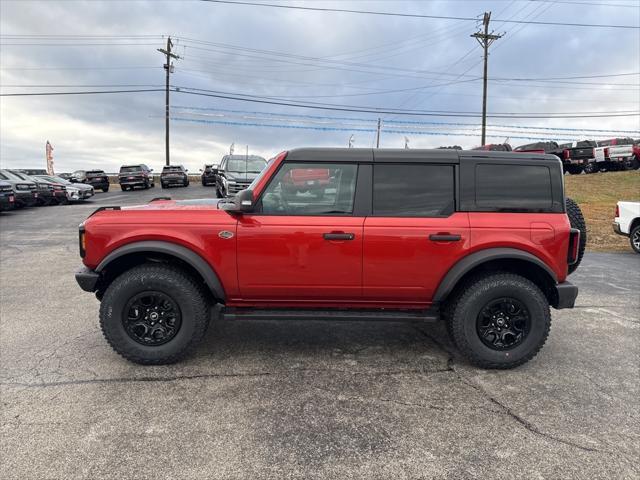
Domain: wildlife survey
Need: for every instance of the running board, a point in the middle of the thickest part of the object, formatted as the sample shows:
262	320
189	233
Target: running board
430	315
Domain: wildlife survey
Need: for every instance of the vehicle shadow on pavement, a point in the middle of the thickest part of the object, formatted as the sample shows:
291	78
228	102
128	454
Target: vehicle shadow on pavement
376	345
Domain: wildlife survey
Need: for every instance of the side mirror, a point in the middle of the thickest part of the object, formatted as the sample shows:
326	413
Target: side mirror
241	203
151	169
200	169
186	169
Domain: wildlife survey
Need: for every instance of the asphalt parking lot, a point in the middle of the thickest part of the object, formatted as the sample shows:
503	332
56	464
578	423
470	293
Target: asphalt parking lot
304	399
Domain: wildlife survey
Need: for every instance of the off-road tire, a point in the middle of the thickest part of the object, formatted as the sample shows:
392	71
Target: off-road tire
475	296
574	169
577	221
633	235
169	280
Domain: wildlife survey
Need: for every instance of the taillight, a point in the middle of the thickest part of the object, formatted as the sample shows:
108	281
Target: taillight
565	153
574	246
593	153
606	152
617	211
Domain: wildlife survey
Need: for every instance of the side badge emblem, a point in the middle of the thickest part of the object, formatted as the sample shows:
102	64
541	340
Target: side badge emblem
225	234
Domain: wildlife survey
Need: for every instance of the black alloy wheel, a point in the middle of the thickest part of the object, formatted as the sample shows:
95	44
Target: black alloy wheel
634	239
503	323
151	318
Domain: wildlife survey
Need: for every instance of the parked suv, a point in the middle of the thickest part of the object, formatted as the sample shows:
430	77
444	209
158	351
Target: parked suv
174	175
138	175
481	240
236	172
209	175
96	178
25	191
7	197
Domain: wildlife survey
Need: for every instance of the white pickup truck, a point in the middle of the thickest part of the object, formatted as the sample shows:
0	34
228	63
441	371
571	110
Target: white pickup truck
620	153
627	222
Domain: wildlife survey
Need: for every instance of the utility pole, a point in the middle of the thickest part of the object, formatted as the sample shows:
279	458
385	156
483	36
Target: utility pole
378	135
169	68
485	40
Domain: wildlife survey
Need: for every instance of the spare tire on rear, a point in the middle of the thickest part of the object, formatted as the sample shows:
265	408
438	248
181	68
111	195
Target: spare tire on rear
577	221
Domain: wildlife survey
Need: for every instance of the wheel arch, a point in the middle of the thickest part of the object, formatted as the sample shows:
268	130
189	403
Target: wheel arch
132	254
499	259
634	223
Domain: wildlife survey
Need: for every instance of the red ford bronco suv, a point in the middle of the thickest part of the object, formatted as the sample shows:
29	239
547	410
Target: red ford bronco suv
479	239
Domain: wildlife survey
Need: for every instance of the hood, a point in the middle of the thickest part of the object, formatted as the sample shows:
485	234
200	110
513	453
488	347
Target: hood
247	176
166	204
80	186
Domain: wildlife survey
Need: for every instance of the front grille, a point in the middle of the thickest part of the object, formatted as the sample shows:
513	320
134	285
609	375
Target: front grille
23	186
6	189
239	185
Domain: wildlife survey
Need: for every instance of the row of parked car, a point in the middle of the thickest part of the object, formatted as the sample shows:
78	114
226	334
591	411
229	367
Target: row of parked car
589	156
25	188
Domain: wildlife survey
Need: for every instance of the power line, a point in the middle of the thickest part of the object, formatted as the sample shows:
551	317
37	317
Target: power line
415	15
94	92
388	121
333	107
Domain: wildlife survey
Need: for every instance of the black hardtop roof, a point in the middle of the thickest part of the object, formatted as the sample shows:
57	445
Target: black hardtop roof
391	155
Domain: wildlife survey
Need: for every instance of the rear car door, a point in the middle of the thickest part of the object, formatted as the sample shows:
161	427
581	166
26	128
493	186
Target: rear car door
414	235
304	243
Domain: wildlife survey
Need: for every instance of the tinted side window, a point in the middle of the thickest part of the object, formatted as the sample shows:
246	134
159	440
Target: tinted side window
513	187
311	189
413	190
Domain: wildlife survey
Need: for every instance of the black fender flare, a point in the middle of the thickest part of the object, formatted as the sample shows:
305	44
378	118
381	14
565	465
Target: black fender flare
476	259
188	256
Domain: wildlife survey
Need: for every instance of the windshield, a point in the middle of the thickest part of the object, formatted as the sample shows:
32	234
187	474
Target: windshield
21	176
253	165
130	169
10	176
55	179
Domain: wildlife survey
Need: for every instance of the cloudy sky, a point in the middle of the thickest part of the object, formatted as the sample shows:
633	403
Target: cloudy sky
325	59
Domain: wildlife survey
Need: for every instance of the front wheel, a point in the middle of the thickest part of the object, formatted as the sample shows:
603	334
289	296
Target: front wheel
154	314
634	239
500	321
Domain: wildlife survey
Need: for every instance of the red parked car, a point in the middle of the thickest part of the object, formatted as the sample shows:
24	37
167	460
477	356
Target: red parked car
482	240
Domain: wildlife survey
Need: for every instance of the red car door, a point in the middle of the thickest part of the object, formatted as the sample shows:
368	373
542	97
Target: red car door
304	244
414	236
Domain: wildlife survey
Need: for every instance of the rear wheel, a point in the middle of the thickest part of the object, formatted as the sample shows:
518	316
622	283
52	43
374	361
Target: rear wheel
154	314
105	189
590	168
500	321
574	169
634	163
123	188
577	221
634	238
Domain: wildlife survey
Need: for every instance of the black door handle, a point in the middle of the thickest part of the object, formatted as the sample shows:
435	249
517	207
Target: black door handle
444	237
338	236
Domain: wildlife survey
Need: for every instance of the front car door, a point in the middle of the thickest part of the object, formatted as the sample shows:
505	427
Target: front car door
304	243
414	235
